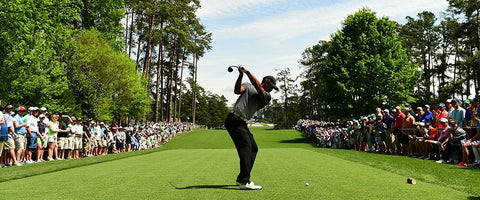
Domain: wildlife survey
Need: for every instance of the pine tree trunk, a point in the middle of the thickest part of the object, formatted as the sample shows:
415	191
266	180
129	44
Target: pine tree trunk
180	92
194	93
131	39
170	91
159	69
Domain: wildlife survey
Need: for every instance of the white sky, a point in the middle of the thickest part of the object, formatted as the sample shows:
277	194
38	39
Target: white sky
264	35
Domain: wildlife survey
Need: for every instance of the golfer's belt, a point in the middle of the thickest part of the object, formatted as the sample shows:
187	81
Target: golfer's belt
238	115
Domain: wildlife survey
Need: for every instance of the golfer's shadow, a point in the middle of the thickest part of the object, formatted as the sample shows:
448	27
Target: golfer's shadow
224	187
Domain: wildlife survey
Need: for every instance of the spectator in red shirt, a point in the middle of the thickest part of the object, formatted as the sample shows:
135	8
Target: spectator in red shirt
443	114
399	117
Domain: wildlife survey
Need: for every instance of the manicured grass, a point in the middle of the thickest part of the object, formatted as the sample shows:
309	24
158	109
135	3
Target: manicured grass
203	164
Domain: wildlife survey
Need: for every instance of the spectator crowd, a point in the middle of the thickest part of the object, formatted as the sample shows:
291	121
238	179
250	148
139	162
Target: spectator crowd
447	133
33	135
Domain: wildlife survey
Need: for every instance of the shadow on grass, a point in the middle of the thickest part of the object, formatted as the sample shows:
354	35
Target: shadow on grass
224	187
473	198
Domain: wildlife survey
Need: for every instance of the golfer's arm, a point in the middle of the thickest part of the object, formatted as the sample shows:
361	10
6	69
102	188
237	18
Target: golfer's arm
256	84
238	85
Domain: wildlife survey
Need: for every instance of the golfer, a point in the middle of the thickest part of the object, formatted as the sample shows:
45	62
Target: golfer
253	96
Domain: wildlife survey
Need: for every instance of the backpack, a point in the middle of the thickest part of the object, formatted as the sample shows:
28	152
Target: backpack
4	132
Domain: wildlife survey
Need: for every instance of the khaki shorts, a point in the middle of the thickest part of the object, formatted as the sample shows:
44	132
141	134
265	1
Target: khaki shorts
77	144
95	143
100	143
52	138
62	143
69	143
86	144
20	142
9	144
1	146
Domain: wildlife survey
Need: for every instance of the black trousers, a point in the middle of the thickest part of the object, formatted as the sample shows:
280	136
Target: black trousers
245	143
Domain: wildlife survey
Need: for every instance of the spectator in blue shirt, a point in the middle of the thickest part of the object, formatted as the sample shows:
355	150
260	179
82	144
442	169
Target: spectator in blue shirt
20	124
427	116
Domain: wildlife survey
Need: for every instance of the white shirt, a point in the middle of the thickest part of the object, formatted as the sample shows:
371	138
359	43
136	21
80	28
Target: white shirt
78	130
32	123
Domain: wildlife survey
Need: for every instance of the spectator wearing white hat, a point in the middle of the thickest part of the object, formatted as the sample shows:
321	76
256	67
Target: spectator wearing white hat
78	132
449	107
44	111
443	140
9	156
42	137
20	123
32	131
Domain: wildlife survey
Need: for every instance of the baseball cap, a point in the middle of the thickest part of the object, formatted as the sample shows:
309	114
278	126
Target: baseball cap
456	100
74	119
271	80
466	101
386	111
41	116
427	106
34	108
449	100
419	108
441	105
43	109
30	108
21	108
398	108
9	107
444	120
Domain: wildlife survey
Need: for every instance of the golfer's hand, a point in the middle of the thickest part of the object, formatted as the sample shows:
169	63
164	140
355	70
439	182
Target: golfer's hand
242	69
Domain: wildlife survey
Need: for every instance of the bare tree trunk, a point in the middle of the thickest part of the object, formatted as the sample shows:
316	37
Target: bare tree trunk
131	39
162	110
170	96
176	92
138	52
146	65
159	73
126	29
194	92
180	95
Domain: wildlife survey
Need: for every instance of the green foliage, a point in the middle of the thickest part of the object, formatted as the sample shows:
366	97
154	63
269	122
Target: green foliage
104	81
365	66
33	35
105	16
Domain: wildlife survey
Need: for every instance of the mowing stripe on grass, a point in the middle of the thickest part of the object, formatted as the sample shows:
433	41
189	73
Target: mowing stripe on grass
211	173
203	164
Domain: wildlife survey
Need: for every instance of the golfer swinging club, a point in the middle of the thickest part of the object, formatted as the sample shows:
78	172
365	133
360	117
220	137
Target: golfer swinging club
253	96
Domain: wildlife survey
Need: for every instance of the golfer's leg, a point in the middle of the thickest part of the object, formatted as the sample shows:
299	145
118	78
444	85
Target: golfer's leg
254	151
241	139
